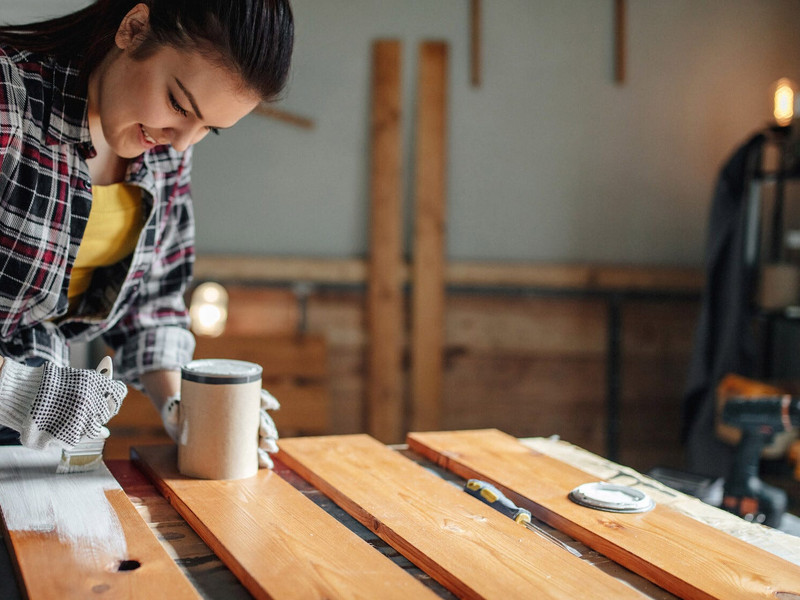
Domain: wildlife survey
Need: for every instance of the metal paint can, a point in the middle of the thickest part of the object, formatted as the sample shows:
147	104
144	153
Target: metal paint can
219	419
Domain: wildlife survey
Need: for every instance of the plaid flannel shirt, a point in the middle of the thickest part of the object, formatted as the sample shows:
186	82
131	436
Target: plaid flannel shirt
137	305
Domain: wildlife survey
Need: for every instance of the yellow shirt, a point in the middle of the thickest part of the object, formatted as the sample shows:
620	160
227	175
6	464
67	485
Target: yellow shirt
112	231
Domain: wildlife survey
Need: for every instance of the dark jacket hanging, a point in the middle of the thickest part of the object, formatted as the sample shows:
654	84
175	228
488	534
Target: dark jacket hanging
724	338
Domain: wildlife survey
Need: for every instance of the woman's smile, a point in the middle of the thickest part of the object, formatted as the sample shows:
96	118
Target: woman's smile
149	142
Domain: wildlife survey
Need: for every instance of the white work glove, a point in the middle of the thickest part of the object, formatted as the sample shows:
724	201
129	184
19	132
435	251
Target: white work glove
56	406
267	432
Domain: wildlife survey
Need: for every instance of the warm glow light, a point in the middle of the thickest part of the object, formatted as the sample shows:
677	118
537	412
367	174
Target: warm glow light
208	316
783	101
209	309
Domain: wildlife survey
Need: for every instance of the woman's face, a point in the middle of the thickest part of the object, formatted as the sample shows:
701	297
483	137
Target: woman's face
171	97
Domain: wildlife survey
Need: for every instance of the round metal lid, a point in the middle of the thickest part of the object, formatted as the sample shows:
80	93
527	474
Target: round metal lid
611	497
221	371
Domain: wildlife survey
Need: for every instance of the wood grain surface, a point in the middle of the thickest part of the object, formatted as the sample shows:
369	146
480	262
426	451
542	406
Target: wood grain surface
678	553
203	568
428	268
384	289
277	542
467	546
51	569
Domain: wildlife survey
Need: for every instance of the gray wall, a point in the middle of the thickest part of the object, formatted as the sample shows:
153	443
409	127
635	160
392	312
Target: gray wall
549	161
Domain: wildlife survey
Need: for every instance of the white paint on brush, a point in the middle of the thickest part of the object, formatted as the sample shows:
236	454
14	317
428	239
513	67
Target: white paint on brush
74	505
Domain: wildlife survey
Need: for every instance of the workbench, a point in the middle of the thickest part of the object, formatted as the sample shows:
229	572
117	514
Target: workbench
212	579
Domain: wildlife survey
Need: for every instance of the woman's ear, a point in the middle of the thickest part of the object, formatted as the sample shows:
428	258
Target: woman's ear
133	28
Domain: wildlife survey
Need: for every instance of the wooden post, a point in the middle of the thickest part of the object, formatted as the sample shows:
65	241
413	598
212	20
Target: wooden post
265	110
475	47
384	303
427	335
620	26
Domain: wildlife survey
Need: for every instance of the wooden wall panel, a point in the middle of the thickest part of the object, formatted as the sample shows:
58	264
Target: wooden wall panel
528	365
657	338
535	366
528	395
508	325
659	328
267	311
282	358
295	371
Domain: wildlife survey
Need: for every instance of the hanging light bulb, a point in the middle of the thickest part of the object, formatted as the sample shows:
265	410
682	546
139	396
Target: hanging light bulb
208	309
783	98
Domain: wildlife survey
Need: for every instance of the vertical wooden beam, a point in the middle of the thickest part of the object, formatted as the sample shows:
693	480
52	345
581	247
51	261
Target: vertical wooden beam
475	47
427	335
384	298
620	34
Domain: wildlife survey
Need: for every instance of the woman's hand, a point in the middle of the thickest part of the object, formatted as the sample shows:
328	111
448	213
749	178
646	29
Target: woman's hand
267	432
56	406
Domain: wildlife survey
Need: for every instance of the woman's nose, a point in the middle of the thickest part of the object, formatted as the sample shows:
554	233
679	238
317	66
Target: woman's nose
180	139
183	137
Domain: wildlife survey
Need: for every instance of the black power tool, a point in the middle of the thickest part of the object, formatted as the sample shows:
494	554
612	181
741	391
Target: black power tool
759	419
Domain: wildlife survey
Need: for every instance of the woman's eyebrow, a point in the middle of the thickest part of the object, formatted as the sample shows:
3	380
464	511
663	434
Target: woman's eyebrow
190	98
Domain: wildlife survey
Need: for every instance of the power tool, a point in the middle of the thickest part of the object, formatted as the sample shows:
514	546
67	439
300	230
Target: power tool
759	418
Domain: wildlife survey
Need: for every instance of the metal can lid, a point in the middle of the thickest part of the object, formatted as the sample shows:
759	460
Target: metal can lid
221	371
611	497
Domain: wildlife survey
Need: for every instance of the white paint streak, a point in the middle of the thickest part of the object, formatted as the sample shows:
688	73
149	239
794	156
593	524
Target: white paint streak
74	505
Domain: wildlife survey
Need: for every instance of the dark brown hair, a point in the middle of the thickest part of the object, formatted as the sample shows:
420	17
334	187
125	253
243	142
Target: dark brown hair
253	37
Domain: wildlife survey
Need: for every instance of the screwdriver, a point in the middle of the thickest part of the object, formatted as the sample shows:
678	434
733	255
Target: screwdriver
488	494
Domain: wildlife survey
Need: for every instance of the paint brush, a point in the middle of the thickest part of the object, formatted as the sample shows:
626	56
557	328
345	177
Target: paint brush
87	454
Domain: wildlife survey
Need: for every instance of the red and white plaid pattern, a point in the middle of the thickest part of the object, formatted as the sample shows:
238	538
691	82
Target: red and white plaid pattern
45	198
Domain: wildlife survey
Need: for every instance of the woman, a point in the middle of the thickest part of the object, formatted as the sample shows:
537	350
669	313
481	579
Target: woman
98	114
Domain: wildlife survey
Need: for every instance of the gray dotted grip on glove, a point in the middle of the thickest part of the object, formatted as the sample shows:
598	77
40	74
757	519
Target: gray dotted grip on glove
63	403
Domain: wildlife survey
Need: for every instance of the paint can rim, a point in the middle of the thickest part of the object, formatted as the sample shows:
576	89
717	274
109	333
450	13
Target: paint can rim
611	497
221	371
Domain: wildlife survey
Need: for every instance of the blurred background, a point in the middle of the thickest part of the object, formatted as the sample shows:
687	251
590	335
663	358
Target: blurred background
579	162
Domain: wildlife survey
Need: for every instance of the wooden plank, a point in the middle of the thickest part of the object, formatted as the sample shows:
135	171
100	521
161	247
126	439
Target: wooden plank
676	552
464	544
263	269
427	297
527	396
137	412
203	568
275	540
279	356
258	310
514	326
119	445
384	293
305	409
52	565
545	276
272	112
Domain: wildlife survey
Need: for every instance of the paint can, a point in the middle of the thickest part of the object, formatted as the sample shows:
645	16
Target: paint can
219	419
